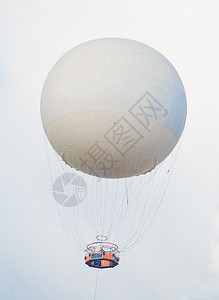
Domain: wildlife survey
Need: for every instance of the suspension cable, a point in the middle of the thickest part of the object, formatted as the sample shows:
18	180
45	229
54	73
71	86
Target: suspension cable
95	291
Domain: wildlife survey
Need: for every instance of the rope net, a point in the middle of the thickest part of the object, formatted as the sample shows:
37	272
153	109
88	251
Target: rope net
120	209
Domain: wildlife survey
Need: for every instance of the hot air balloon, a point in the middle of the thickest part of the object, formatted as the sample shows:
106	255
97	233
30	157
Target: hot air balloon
113	110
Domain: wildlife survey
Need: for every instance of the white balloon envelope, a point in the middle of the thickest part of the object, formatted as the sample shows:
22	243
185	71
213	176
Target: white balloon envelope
113	108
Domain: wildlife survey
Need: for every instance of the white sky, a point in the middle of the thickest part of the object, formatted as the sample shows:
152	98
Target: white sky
179	258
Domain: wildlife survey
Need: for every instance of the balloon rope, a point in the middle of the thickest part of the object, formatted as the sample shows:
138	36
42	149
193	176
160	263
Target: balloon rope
126	187
95	291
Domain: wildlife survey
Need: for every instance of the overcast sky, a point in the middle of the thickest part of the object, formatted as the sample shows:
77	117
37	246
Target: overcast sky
179	257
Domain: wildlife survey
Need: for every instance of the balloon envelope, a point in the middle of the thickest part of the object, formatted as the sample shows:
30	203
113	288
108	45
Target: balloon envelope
113	108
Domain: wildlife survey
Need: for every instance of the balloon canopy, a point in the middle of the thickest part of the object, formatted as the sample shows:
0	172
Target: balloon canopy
113	108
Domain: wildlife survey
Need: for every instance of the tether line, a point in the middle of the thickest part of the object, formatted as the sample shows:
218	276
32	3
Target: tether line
95	291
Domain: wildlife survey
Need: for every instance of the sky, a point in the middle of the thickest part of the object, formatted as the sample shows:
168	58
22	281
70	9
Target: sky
179	257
